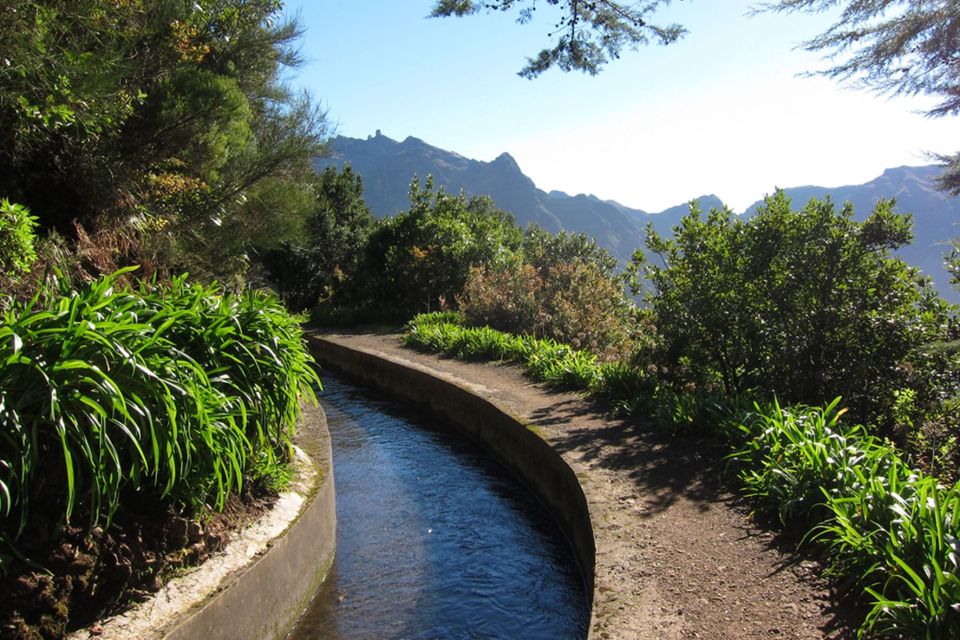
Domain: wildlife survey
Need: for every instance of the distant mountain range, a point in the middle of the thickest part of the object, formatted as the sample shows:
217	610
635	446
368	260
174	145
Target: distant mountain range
387	167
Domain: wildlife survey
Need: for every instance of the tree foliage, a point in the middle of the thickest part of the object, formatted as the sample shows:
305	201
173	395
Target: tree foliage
331	252
165	122
894	47
572	302
587	34
419	259
543	249
805	304
561	286
17	251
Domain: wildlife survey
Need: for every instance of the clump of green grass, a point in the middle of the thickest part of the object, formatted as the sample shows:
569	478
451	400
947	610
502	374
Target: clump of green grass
630	389
559	365
884	527
543	359
790	457
175	392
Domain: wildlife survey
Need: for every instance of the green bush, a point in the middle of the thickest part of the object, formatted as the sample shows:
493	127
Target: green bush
804	304
173	392
574	303
17	239
418	260
926	409
560	286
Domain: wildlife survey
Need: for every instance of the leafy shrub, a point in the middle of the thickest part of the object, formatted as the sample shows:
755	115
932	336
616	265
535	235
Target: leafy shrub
926	409
543	250
329	313
17	238
803	304
561	286
574	303
175	391
419	259
506	299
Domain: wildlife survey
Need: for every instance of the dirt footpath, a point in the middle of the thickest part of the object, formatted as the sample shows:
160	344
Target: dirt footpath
677	555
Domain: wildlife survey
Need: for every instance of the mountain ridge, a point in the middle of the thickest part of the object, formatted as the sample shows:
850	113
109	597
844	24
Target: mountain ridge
388	165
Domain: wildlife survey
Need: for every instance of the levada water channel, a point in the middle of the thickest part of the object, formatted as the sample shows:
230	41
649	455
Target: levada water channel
434	539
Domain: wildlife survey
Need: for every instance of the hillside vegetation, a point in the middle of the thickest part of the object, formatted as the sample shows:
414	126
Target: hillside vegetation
829	366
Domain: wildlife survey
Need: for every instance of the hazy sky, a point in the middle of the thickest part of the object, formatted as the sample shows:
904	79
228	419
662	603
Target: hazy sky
722	111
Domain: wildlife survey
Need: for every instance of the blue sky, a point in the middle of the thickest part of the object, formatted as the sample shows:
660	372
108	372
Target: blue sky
722	111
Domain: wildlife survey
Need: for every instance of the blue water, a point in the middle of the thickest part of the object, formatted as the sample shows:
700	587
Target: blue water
434	540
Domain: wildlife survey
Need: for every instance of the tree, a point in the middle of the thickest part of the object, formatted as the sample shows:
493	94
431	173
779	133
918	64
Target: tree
419	259
895	47
587	34
543	250
163	123
805	304
336	235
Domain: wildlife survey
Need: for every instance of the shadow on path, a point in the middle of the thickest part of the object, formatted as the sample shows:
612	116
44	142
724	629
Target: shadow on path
664	466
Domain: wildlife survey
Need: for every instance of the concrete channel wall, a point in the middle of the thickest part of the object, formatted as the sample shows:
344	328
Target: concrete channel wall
508	438
268	597
259	585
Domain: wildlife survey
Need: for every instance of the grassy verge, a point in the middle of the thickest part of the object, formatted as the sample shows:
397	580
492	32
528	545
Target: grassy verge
881	526
543	359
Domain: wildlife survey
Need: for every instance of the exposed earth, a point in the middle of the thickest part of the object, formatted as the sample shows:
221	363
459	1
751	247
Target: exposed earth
678	555
101	572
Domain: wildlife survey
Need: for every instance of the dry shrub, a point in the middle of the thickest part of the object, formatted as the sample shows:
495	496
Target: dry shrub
572	302
91	254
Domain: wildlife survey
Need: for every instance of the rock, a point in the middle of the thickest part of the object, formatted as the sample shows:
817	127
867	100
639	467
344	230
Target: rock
178	532
194	532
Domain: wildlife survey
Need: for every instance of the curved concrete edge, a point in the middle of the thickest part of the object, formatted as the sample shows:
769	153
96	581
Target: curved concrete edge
510	440
260	584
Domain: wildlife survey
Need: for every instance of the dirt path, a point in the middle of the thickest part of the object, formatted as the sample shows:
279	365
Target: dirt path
677	556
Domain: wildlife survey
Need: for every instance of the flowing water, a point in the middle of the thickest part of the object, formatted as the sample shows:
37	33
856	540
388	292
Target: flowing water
434	540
